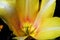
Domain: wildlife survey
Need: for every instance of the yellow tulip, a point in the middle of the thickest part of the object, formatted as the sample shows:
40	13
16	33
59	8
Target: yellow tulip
31	18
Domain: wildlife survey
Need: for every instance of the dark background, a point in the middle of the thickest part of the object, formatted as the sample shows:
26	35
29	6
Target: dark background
57	10
6	33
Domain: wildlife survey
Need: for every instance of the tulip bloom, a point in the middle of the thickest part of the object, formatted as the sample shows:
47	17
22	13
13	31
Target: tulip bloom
31	18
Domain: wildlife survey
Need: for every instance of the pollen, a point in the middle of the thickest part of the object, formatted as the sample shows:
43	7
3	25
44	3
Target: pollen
27	28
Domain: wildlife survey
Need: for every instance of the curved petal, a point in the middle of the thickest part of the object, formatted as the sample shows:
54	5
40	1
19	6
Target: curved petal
46	11
27	10
7	13
50	29
47	8
7	7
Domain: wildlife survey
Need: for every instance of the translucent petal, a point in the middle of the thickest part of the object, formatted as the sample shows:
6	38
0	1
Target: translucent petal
27	10
7	13
50	29
46	11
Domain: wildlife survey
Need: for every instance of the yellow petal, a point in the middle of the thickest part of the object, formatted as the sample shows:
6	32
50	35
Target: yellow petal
27	9
7	8
47	8
49	29
46	11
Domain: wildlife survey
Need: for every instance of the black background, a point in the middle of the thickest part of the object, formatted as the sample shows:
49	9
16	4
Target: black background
57	10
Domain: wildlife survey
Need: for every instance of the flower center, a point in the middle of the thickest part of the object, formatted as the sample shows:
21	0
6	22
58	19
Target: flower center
26	28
